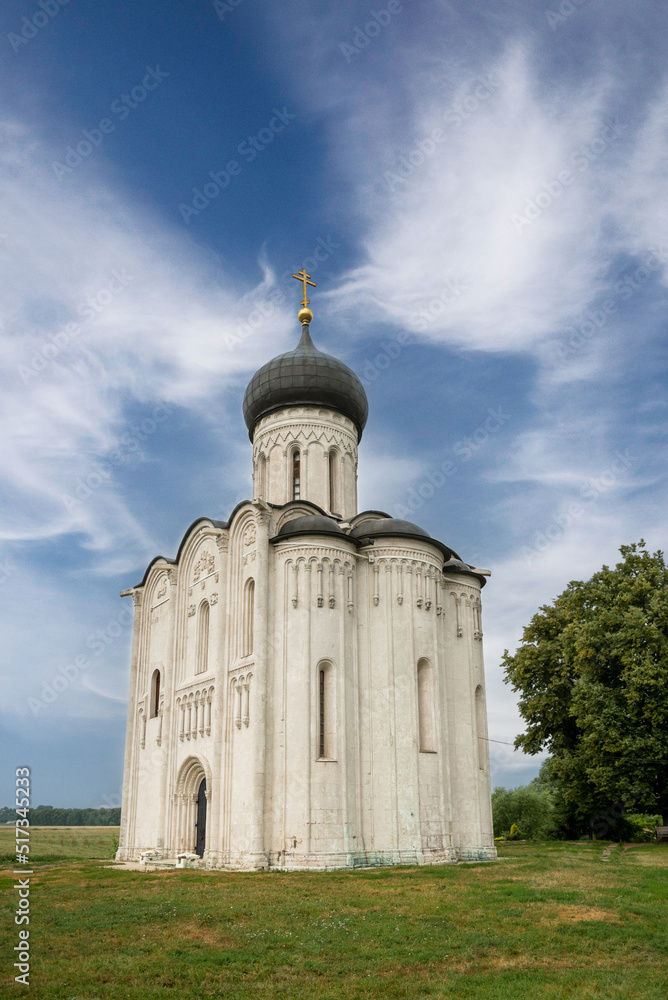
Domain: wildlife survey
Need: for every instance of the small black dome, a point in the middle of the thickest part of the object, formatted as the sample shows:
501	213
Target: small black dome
308	377
389	526
456	565
394	527
310	524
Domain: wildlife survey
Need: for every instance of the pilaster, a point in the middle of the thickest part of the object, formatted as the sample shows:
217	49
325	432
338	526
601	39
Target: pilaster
262	650
129	763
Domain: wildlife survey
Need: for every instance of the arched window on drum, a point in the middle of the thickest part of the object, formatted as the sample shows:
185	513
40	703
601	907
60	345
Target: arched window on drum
296	490
333	477
261	478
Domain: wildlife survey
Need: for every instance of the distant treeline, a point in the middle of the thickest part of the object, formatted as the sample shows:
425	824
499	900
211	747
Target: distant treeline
48	816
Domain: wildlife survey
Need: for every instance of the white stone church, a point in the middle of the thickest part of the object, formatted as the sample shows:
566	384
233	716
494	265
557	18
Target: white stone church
307	686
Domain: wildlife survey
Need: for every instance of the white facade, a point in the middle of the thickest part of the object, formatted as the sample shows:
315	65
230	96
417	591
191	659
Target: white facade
328	686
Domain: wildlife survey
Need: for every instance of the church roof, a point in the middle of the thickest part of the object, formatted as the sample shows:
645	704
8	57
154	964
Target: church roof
320	524
394	527
310	524
390	526
174	562
455	565
305	376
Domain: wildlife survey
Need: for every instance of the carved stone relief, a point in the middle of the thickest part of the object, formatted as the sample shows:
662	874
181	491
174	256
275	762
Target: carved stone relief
204	565
250	535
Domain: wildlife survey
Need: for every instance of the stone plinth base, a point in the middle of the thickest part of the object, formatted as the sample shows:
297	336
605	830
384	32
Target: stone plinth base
293	861
477	854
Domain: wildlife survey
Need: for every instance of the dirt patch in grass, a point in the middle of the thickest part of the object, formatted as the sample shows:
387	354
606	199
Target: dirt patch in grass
521	962
657	859
542	963
569	913
204	934
568	878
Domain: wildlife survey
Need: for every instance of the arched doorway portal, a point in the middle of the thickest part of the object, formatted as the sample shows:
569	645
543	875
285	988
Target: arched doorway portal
192	798
200	837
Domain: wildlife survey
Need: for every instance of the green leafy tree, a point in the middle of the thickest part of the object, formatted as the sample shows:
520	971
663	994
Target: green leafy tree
528	807
592	672
48	816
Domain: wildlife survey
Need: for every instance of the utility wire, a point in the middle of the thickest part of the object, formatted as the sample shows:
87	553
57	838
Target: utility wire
608	756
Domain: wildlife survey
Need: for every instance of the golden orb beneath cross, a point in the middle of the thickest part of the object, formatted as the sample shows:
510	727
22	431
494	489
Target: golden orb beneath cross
304	315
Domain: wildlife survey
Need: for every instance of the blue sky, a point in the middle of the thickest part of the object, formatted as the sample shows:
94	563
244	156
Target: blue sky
479	191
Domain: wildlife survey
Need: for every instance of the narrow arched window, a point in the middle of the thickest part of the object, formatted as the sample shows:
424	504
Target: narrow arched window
155	694
296	474
427	728
333	460
261	483
326	712
248	623
480	727
203	638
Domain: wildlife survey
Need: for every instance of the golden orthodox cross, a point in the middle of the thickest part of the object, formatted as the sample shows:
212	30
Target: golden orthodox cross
306	280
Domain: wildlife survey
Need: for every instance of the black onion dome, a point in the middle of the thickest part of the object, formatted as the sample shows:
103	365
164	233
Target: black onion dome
310	524
308	377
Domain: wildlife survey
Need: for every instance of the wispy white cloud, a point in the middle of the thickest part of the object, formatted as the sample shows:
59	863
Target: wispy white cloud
641	190
103	307
508	197
443	166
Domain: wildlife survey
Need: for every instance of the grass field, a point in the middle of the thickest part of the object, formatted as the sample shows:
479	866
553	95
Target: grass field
547	921
54	843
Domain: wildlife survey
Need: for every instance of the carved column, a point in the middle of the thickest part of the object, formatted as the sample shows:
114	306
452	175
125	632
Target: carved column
458	601
195	716
332	584
375	567
246	701
295	584
237	705
477	618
